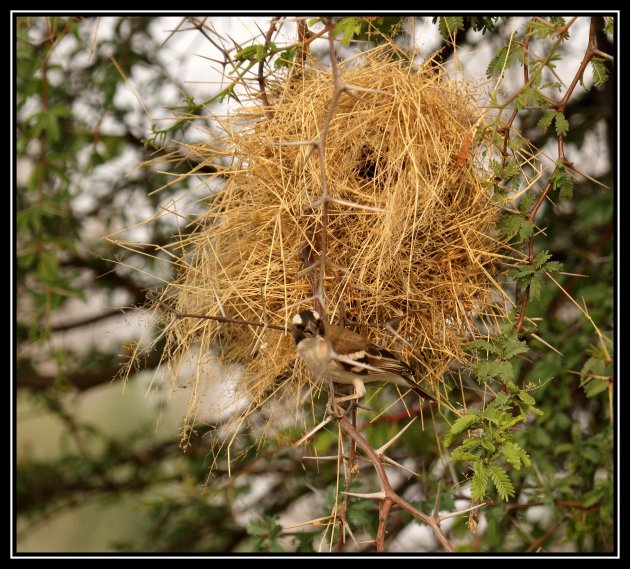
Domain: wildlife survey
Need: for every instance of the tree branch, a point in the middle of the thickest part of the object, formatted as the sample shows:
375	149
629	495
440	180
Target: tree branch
386	487
261	67
531	216
81	381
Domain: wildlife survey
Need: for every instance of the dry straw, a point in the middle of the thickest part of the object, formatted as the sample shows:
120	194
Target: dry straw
412	246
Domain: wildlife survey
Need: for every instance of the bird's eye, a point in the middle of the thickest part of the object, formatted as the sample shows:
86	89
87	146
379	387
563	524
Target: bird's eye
300	326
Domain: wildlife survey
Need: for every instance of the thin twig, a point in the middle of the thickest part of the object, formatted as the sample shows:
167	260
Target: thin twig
537	543
222	319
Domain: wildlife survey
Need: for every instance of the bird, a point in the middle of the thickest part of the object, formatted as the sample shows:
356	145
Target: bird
355	360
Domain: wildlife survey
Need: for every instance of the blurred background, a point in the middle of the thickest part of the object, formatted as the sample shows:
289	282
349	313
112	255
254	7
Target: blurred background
99	467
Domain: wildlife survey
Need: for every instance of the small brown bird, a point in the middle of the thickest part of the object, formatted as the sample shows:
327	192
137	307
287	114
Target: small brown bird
374	363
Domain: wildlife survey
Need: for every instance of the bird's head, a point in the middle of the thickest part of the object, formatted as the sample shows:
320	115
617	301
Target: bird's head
306	324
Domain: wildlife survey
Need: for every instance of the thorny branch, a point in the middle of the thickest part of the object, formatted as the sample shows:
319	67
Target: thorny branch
591	51
261	67
353	470
389	495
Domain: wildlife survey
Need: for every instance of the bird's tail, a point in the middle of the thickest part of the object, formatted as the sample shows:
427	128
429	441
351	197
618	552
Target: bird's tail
411	382
422	393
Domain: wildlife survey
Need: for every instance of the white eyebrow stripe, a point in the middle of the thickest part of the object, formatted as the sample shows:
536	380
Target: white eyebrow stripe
297	319
316	314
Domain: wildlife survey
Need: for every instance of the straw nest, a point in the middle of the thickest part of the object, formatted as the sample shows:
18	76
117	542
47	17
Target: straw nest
411	250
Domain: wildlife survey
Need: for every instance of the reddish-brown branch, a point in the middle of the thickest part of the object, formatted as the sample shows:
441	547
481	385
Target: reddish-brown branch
521	314
383	513
534	545
261	67
588	55
321	150
82	380
304	38
388	491
531	216
398	417
92	319
349	427
353	470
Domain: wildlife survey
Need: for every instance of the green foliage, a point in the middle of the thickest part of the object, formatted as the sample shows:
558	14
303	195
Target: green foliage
532	275
374	30
483	24
511	225
542	28
596	372
488	370
600	73
609	26
479	482
546	120
347	27
491	447
514	454
459	426
363	514
63	150
505	347
501	482
504	58
266	532
450	25
562	181
562	125
530	97
285	59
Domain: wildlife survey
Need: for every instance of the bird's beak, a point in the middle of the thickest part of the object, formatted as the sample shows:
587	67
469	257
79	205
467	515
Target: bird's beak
311	328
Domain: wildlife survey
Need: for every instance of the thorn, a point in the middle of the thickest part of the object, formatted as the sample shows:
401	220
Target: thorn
436	507
314	522
347	526
313	431
329	457
459	512
546	344
392	462
382	449
372	496
236	45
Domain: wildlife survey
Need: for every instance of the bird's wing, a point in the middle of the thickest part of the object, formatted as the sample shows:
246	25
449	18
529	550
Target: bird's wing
351	346
387	362
355	347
